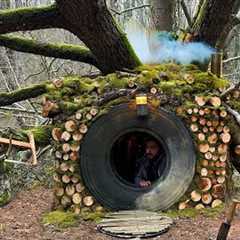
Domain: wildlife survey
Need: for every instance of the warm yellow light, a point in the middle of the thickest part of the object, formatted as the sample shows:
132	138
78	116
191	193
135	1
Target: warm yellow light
141	99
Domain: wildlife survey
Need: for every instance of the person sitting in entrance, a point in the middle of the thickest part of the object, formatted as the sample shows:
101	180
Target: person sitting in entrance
150	166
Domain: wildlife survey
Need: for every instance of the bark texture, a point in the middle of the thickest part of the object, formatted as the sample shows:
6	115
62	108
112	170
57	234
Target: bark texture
162	14
64	51
212	18
95	26
29	19
22	94
90	21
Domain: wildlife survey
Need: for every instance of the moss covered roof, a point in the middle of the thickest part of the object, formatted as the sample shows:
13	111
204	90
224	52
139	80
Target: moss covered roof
180	81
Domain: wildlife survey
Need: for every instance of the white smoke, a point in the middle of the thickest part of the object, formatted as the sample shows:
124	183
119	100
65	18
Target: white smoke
156	47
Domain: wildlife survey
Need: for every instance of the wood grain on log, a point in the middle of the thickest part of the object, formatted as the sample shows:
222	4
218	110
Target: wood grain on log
195	196
56	134
66	136
70	190
203	147
200	100
70	126
76	198
207	198
88	201
205	184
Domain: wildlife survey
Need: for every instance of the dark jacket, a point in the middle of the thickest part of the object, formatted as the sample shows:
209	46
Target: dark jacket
149	169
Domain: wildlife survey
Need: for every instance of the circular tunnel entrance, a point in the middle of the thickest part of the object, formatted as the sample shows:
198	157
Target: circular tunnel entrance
119	147
130	157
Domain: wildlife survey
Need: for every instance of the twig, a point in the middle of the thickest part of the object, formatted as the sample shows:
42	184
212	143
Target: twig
231	59
130	9
186	13
231	74
233	87
233	112
19	115
16	162
42	151
110	96
19	110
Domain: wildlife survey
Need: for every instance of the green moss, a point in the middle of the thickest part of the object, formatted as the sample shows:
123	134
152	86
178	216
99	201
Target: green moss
22	94
192	212
42	134
168	87
115	82
60	219
135	60
5	198
235	104
64	51
92	216
8	14
212	212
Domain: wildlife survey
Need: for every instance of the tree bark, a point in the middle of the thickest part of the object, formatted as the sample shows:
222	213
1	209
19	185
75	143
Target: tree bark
212	19
91	22
29	19
162	15
22	94
64	51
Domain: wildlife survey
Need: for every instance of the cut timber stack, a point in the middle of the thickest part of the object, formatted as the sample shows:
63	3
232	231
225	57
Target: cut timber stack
70	191
74	103
208	122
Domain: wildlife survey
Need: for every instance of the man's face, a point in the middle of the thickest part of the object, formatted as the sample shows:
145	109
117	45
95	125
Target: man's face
151	149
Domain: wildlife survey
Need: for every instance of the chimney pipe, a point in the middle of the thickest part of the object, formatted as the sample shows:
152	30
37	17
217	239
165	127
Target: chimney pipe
216	64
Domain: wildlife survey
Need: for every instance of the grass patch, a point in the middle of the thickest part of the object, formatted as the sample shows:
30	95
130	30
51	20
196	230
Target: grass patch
212	212
60	219
192	212
93	216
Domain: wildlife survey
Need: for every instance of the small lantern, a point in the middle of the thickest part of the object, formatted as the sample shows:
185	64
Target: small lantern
141	102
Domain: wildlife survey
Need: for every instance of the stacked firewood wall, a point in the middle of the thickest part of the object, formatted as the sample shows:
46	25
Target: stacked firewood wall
74	103
70	190
208	121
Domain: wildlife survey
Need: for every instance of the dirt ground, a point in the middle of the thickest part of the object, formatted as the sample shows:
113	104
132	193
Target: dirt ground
21	220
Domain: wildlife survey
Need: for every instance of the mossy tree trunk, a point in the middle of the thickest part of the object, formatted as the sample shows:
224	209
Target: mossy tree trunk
212	19
95	26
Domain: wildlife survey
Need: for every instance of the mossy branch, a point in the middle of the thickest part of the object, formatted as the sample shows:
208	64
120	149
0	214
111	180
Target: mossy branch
64	51
23	19
22	94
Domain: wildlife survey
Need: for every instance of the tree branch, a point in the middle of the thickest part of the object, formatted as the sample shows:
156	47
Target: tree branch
234	113
22	94
212	20
64	51
231	59
223	39
187	15
230	89
130	9
23	19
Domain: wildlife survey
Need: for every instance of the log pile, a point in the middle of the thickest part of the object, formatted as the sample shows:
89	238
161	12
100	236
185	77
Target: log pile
74	103
208	120
69	189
